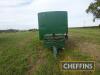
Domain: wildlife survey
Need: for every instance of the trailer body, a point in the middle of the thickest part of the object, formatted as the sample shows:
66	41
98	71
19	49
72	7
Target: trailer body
53	28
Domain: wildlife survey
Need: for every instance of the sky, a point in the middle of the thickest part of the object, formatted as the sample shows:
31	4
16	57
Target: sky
22	14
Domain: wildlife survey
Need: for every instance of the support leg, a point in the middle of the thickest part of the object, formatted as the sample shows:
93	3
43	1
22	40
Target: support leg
55	51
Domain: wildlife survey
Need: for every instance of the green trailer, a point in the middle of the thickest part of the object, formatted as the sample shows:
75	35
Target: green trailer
53	29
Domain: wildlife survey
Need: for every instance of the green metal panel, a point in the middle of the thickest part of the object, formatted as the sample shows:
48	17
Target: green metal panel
57	41
52	22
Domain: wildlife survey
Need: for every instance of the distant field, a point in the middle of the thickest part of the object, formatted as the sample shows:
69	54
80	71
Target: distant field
22	53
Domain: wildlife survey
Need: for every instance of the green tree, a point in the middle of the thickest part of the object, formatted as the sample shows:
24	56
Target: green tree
94	8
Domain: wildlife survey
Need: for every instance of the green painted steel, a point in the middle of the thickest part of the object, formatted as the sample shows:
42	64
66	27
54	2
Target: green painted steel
52	22
54	51
57	41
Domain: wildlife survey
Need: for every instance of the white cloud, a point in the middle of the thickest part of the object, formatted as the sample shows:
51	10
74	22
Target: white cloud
14	3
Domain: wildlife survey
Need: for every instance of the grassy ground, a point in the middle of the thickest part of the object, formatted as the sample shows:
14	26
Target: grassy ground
22	53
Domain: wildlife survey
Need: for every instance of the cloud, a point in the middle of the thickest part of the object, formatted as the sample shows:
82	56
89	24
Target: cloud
14	3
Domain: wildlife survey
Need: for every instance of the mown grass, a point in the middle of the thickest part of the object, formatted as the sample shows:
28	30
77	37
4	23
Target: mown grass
15	49
22	53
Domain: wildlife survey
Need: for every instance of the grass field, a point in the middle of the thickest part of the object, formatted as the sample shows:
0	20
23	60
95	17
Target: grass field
22	53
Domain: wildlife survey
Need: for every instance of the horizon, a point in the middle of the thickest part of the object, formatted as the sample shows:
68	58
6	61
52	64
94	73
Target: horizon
37	28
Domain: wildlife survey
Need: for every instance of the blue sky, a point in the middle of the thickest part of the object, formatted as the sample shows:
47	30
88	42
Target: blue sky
22	14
